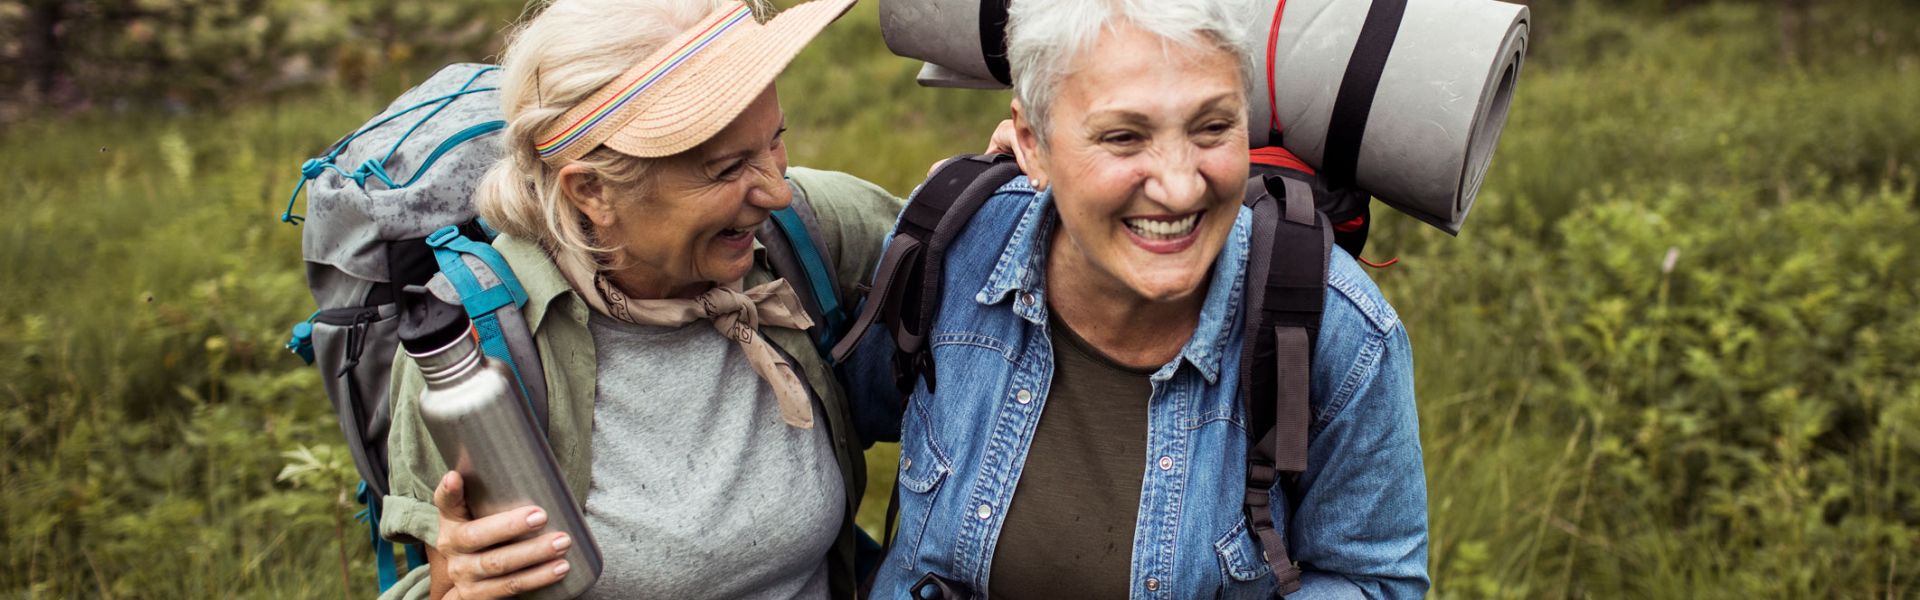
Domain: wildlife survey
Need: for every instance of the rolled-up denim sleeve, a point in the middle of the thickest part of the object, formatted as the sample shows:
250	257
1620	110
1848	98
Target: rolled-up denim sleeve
1360	527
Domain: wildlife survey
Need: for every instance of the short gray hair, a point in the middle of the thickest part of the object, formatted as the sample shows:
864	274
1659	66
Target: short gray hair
1045	36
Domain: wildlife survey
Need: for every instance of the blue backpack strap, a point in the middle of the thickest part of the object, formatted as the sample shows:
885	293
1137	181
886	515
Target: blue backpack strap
819	277
481	301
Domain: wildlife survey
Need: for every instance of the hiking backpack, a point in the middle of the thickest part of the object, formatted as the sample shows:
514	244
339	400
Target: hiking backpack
390	206
1294	227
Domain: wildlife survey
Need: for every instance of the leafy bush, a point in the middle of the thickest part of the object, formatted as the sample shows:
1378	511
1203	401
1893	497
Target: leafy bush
199	52
1673	354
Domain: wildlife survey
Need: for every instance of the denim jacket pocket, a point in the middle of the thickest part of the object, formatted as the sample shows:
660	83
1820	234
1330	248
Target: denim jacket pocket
922	468
1240	557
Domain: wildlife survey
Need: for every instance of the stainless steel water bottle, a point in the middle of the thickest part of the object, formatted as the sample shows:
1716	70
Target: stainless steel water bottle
484	430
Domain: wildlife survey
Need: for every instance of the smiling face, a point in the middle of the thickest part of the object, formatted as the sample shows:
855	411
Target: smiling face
689	224
1146	157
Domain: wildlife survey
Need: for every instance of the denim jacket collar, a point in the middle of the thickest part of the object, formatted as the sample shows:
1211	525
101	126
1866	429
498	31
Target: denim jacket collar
1022	269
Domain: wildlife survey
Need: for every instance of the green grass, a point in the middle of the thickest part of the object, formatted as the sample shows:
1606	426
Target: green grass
1744	423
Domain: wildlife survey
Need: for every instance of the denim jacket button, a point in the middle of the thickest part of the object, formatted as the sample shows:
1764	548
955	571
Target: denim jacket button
1026	298
1153	584
1023	397
906	462
1166	463
984	512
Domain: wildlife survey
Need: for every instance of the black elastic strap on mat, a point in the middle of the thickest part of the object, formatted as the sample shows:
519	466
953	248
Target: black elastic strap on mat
1286	273
993	39
1347	125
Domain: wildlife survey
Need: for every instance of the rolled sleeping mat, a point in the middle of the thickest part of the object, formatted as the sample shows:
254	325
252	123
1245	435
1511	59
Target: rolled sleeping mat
963	41
1402	98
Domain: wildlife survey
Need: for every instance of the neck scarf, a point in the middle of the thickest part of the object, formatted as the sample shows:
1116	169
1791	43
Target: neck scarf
738	316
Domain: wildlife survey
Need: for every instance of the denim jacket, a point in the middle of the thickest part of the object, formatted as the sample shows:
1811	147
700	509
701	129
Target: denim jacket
1358	528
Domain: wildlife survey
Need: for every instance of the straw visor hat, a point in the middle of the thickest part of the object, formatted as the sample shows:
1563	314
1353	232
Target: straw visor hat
690	88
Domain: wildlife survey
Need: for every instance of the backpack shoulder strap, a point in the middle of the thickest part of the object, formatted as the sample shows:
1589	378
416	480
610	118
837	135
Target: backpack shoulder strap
1286	291
798	254
906	285
493	298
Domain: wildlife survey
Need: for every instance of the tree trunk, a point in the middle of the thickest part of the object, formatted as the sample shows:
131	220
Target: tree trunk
40	48
1793	28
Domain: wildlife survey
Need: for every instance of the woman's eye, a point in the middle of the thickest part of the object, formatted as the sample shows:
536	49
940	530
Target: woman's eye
1121	138
732	171
779	137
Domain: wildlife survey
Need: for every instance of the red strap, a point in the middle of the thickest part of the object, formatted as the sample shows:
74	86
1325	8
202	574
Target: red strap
1390	262
1273	45
1275	156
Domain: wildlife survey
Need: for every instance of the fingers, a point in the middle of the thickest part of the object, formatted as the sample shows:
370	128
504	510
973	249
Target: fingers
509	560
475	536
526	580
1002	141
451	497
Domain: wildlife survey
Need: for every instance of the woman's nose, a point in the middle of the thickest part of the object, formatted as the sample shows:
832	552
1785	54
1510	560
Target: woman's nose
1176	182
770	191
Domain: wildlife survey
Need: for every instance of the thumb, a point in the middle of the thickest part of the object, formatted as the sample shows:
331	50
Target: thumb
451	497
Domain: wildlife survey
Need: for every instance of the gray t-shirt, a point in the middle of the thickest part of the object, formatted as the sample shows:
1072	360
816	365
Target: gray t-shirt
700	490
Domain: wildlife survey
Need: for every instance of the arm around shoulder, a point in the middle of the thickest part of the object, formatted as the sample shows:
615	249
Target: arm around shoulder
855	218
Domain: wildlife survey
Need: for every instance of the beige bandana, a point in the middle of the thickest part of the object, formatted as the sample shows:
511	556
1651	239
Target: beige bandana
738	315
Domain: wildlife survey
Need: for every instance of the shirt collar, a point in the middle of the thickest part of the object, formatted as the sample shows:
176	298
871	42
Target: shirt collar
1021	270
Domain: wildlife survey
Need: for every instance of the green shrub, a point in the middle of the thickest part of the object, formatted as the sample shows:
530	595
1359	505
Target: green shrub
1599	419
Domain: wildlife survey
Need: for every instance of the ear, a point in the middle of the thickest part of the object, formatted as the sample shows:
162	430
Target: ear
587	194
1026	148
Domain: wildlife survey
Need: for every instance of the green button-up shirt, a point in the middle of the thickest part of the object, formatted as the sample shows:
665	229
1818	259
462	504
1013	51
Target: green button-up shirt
854	218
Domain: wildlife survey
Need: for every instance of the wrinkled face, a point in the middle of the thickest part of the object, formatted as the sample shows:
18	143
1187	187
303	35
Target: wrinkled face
692	224
1147	159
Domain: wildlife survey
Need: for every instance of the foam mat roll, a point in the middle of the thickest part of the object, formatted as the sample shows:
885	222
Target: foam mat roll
1402	98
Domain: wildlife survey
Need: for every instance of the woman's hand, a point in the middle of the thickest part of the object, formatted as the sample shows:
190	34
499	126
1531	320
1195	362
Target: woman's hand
1001	142
480	558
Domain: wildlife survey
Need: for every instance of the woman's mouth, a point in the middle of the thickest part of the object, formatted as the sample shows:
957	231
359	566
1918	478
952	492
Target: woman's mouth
1164	234
736	237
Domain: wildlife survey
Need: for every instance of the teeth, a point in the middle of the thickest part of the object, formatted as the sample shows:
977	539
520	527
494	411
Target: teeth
1163	230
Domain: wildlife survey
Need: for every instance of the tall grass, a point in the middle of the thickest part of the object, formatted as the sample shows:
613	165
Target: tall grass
1672	355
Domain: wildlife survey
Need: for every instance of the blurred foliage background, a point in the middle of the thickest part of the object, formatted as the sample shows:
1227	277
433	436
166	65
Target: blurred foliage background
1675	353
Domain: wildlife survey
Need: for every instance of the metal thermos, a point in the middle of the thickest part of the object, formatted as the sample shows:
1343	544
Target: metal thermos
484	429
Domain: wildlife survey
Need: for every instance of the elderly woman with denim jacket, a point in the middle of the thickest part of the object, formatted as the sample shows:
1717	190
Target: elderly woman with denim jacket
1085	439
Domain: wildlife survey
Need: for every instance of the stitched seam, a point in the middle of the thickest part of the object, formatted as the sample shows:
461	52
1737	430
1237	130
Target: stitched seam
1365	367
1381	316
976	340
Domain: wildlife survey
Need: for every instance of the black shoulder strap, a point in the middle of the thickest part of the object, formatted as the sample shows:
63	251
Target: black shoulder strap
906	285
1286	276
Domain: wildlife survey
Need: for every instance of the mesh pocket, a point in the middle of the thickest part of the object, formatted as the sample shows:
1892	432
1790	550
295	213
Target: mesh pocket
353	347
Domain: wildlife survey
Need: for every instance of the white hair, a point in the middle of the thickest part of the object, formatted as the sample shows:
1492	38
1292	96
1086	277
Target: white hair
1045	37
554	59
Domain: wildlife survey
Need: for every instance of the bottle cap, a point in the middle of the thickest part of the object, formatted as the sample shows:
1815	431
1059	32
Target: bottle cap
428	323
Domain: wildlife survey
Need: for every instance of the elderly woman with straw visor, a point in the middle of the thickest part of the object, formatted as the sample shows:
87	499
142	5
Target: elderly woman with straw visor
710	445
1085	439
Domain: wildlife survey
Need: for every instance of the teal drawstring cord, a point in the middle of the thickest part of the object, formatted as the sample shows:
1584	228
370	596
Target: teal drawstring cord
315	167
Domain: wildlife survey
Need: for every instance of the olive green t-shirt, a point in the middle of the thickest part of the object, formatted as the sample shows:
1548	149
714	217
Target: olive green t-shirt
1069	529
